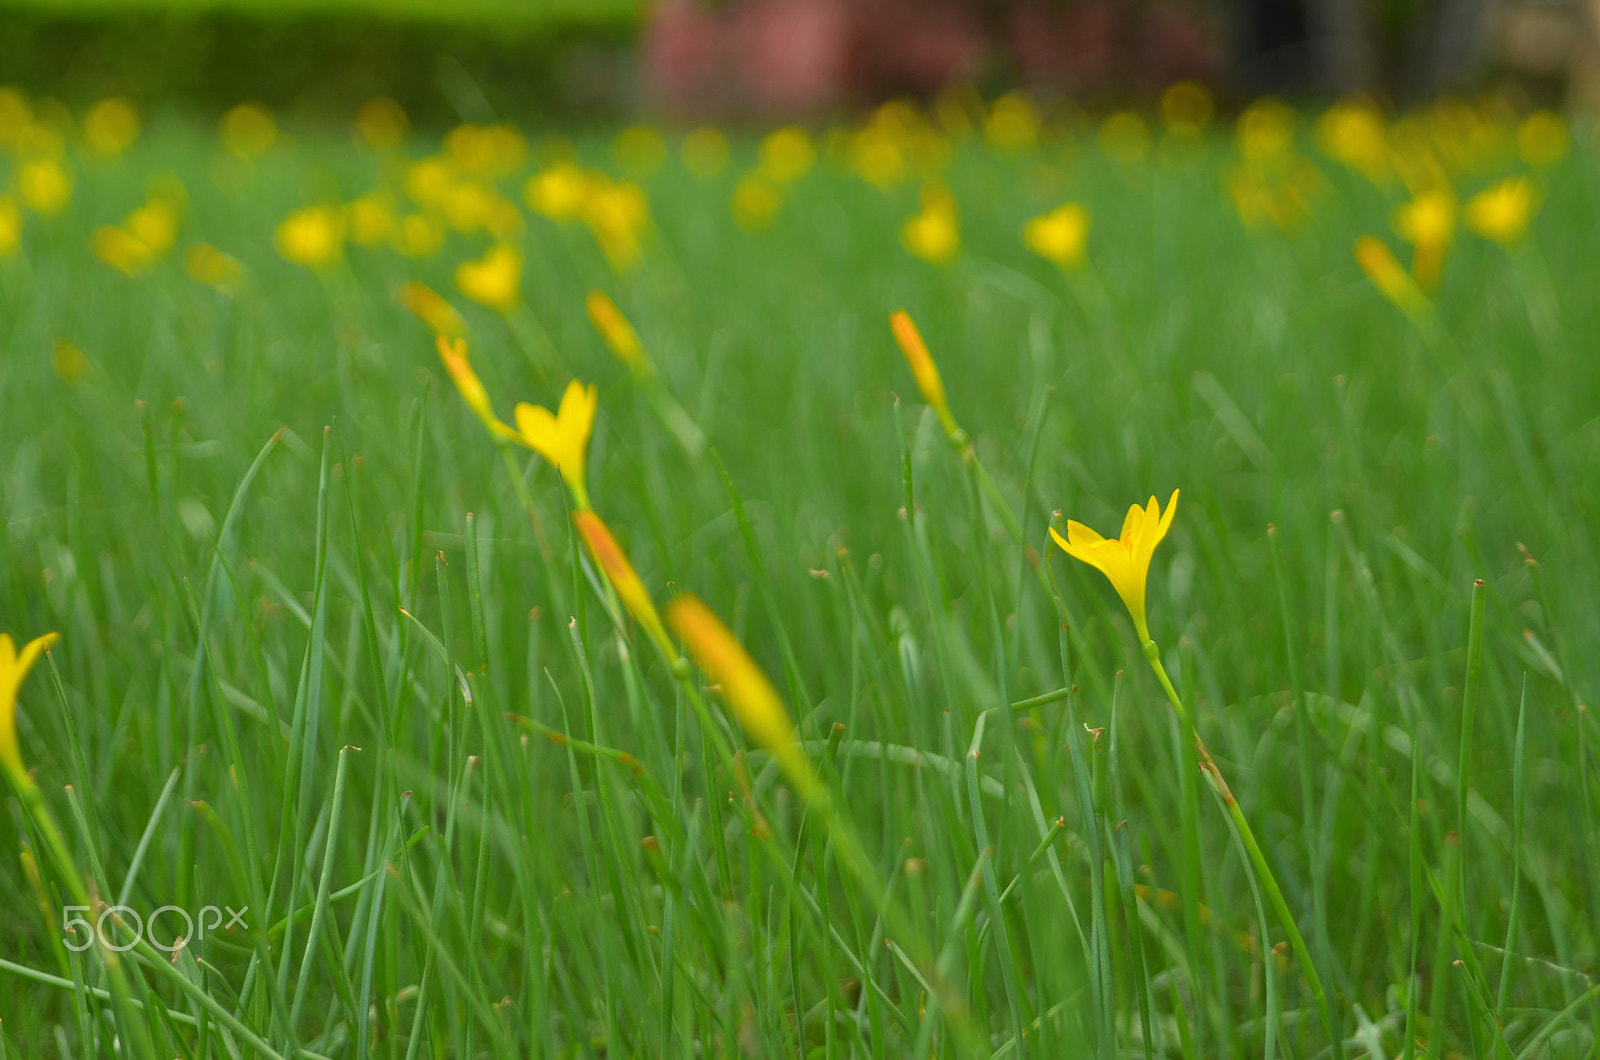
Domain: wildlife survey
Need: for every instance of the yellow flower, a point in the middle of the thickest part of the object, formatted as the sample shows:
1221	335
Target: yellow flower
617	214
68	362
122	250
1186	108
372	219
705	152
1388	276
495	280
755	202
744	687
1265	131
1428	223
428	181
1060	235
1502	211
787	154
923	370
431	308
110	127
1012	124
563	438
639	151
206	264
618	333
1354	133
1125	138
44	186
155	224
13	670
419	235
382	123
934	234
620	573
1125	560
10	226
558	192
454	356
248	130
1543	138
312	236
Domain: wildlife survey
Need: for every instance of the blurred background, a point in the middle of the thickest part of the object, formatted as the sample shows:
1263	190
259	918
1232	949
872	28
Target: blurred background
760	60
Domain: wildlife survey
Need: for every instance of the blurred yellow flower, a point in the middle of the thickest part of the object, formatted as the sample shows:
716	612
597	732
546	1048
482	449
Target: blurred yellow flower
562	438
1186	109
428	181
1388	276
1353	133
15	115
495	280
1428	223
248	131
617	215
44	186
14	669
558	192
743	686
756	201
454	356
10	226
620	573
372	220
923	370
639	151
433	310
705	152
110	127
1060	235
1125	137
1502	211
485	150
1543	138
419	235
1265	131
934	234
381	124
312	236
787	154
68	362
122	250
617	332
1012	124
155	224
1125	560
206	264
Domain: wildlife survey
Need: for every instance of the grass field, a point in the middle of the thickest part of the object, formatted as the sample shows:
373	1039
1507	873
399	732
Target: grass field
333	658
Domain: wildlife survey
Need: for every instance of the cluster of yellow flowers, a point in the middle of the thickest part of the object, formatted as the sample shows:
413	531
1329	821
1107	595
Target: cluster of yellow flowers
147	233
562	439
1430	155
785	155
34	137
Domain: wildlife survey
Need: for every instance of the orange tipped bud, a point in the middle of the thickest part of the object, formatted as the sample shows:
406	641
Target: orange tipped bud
923	370
618	333
744	687
620	573
432	309
1388	275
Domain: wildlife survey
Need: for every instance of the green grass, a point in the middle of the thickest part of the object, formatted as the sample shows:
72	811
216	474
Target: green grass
226	516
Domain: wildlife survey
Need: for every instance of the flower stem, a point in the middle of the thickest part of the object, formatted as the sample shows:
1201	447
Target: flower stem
1269	882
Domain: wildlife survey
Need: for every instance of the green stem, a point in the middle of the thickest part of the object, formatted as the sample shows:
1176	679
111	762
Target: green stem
1269	882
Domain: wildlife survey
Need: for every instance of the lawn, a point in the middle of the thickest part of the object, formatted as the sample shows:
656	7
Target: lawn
346	697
